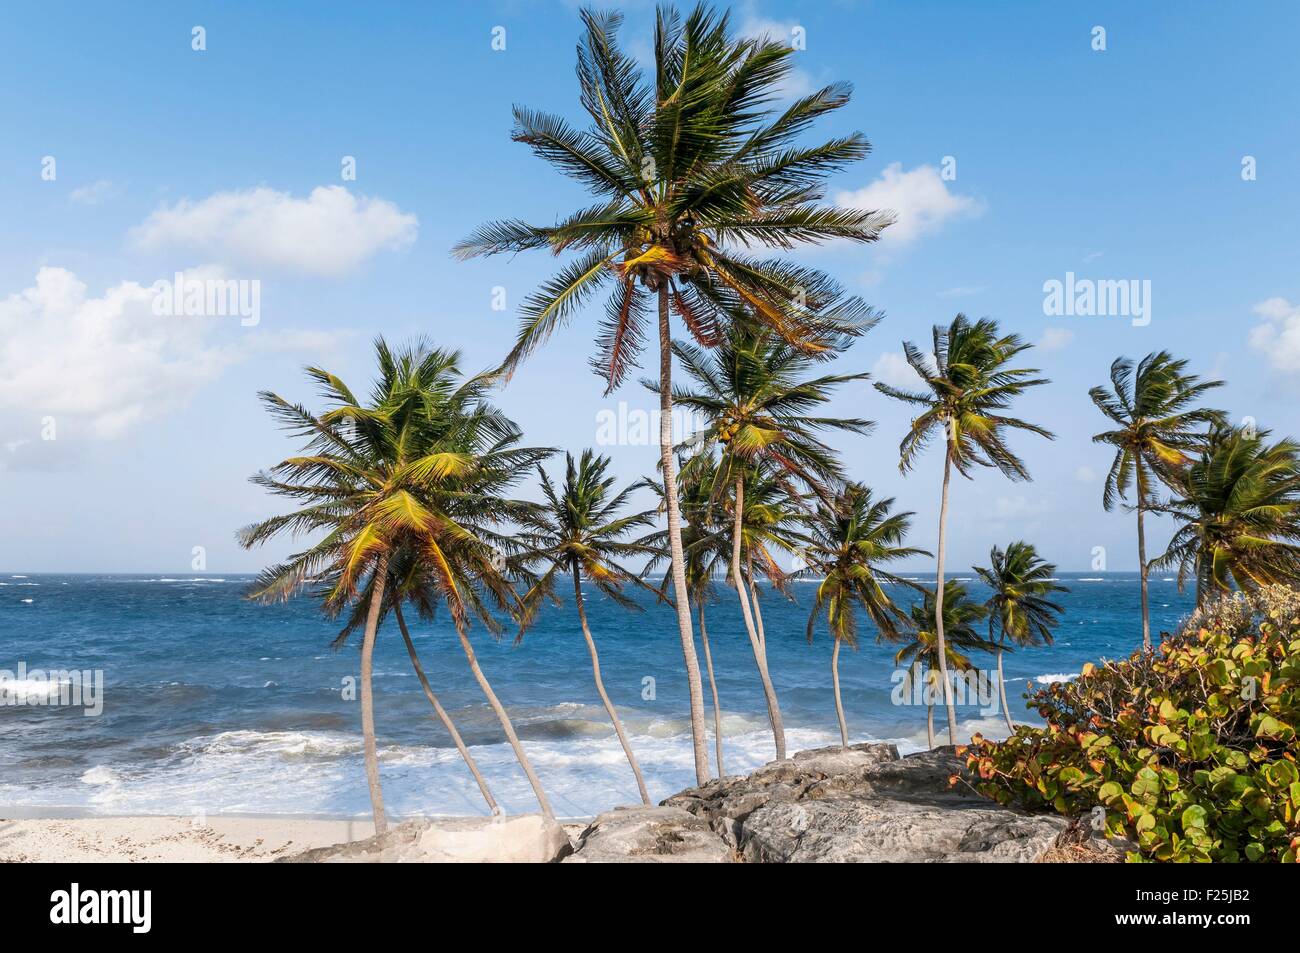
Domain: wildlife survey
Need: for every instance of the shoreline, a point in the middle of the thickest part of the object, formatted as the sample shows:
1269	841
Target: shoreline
41	836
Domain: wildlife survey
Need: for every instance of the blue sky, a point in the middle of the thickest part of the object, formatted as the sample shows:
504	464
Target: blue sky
1117	164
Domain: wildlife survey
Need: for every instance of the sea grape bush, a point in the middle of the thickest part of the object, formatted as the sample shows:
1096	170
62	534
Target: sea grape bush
1188	751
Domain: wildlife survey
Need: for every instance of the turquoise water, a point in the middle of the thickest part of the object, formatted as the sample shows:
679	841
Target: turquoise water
215	705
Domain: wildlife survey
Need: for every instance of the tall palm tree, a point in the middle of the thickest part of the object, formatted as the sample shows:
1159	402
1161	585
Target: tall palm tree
703	542
580	533
421	468
1020	613
969	387
849	540
1159	430
692	168
1239	504
757	400
923	649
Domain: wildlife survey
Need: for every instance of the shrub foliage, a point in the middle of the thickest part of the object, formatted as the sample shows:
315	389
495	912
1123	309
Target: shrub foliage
1188	751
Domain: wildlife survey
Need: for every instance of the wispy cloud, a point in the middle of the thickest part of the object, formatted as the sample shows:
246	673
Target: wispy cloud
93	194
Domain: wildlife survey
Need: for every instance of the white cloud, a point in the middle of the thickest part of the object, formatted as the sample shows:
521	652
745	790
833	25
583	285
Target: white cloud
1085	474
1055	339
919	199
962	291
328	232
94	193
892	368
99	366
1018	508
1278	335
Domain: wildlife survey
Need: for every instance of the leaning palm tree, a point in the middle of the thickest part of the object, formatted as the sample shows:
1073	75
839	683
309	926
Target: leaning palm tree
849	540
1020	613
757	400
1159	431
693	169
579	533
421	468
1239	505
969	387
922	652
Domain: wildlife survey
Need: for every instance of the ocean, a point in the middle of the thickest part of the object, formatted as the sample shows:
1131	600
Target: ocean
214	705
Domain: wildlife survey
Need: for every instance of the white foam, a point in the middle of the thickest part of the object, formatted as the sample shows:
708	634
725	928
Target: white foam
1055	677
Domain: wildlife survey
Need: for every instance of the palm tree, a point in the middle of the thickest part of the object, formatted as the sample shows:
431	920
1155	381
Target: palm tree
410	481
969	387
960	616
1158	430
579	532
703	544
692	169
1019	609
1239	504
757	401
848	541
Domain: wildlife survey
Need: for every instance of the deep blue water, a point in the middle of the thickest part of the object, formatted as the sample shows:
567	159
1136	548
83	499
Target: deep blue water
215	705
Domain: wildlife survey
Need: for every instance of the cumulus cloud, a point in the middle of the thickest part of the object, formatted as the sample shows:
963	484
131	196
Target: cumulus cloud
1056	339
95	367
892	368
1278	335
919	198
329	232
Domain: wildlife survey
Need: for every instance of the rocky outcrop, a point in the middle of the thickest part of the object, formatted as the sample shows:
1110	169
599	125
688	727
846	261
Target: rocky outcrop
522	839
656	835
860	804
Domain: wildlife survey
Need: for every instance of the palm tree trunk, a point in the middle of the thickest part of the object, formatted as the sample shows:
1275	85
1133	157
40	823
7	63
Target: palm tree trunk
442	714
678	557
713	688
1002	690
600	687
1142	566
941	644
839	704
367	696
758	609
760	657
504	719
929	725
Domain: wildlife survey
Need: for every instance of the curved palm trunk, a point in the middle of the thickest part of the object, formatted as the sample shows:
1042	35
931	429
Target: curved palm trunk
442	714
600	687
1002	690
941	643
929	725
367	697
758	609
675	550
713	688
839	704
504	719
760	656
1142	565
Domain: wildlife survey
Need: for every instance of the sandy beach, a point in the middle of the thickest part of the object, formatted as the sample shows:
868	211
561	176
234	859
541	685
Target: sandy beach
170	839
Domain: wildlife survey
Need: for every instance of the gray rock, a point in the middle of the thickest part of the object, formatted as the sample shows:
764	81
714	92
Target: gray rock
865	804
521	839
656	835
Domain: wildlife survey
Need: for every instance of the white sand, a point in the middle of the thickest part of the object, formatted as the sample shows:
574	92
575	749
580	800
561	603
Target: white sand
177	839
